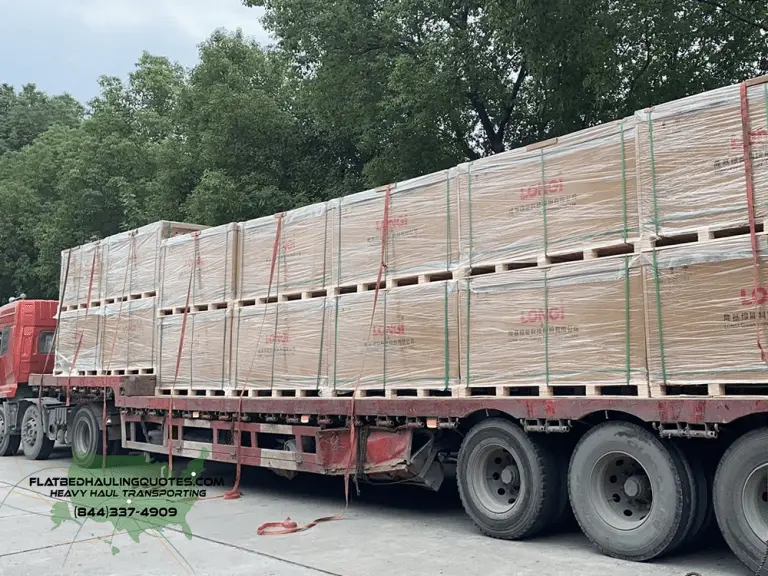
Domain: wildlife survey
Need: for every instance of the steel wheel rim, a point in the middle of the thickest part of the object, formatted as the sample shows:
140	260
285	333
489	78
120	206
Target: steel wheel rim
754	501
29	431
621	491
496	478
82	438
2	427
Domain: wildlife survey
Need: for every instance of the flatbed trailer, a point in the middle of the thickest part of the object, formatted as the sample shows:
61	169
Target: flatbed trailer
644	476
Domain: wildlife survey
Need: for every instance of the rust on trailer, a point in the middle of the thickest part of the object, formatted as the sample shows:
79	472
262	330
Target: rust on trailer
386	450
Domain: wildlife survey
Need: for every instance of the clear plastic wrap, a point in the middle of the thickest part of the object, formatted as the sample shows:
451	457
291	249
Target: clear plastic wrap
576	324
691	161
413	344
82	271
78	342
128	335
423	230
205	356
587	179
283	346
710	312
211	255
133	259
304	259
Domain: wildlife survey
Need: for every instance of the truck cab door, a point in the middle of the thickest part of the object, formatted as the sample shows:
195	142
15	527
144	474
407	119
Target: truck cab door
6	358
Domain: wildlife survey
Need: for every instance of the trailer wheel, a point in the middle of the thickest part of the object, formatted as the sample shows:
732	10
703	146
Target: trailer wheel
507	480
34	440
9	443
702	511
741	497
630	495
86	438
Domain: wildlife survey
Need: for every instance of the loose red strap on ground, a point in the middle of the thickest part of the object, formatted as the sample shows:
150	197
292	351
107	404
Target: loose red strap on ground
87	309
193	269
235	492
747	148
288	526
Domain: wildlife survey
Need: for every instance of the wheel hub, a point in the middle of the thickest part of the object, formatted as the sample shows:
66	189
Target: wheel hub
621	491
496	478
29	432
754	499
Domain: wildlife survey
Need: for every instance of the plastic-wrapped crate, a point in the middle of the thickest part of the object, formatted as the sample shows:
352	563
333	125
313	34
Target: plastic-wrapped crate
205	355
568	325
413	343
691	161
133	259
128	337
283	346
303	263
82	276
422	230
78	342
710	311
575	193
202	264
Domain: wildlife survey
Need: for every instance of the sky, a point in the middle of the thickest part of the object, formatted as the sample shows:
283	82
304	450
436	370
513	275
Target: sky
65	45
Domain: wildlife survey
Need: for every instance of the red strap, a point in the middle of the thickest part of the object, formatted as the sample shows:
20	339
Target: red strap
234	493
87	309
169	426
747	148
288	526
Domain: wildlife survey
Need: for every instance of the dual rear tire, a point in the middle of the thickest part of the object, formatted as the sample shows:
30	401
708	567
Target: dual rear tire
633	495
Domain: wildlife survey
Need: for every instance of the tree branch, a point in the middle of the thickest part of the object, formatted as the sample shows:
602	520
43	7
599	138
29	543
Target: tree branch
507	112
742	19
460	138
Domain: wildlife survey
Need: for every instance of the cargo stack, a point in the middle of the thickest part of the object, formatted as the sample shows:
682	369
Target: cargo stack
613	261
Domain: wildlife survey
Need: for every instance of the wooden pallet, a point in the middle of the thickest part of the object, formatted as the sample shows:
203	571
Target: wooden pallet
701	234
126	371
81	306
552	391
589	252
236	393
176	310
389	393
130	297
76	373
710	390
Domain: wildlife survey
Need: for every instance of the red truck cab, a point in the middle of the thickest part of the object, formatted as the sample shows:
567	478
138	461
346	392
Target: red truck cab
27	330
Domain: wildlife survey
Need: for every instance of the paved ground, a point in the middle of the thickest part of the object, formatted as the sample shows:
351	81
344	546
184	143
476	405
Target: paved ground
393	530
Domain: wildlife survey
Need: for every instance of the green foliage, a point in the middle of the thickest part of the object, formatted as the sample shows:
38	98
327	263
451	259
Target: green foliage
357	93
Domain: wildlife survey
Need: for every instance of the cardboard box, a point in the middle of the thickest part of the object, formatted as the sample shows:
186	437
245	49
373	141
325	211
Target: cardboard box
710	313
691	161
133	259
283	346
304	258
571	324
82	274
423	230
78	342
128	336
413	342
205	354
203	265
587	179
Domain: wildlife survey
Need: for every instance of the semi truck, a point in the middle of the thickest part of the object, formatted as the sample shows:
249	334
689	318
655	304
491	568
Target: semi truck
642	476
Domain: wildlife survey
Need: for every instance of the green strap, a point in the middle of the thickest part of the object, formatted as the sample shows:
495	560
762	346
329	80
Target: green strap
653	174
469	198
325	300
546	326
448	221
335	339
469	300
322	341
627	362
658	317
384	375
338	264
544	203
446	348
623	185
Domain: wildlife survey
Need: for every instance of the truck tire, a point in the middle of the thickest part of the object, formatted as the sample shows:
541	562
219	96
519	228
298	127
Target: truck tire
9	443
507	480
86	438
702	513
638	518
34	440
741	497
